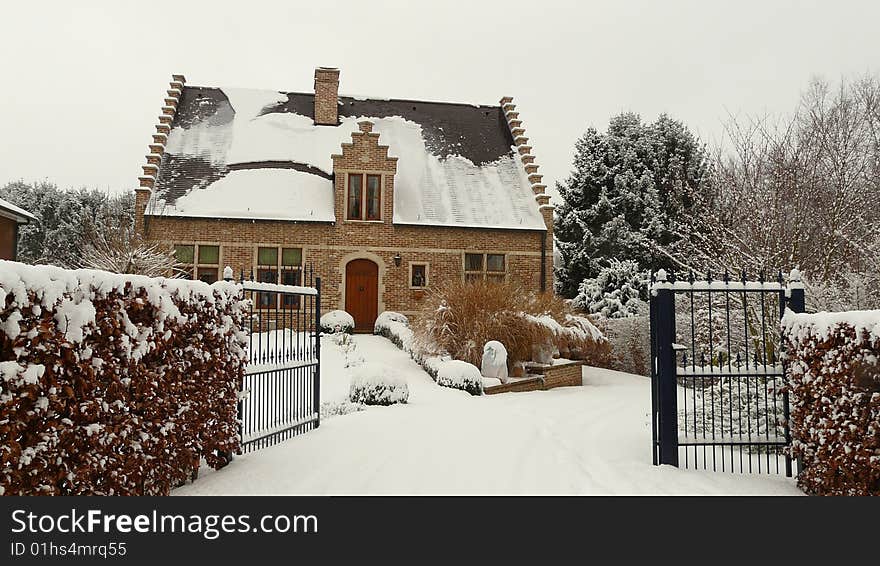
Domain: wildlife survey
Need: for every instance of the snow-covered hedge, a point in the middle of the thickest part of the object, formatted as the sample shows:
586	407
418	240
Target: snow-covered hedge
834	381
395	327
335	322
113	384
442	369
454	373
377	384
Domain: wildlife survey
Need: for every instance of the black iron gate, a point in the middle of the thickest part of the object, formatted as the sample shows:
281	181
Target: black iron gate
281	394
718	396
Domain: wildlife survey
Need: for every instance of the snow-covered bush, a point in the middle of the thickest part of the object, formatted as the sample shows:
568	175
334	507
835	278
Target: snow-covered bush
834	385
115	384
442	368
377	384
395	327
619	291
335	322
454	373
120	249
460	317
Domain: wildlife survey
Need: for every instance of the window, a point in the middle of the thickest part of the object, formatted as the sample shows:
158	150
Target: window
361	205
491	267
279	265
418	275
208	269
197	261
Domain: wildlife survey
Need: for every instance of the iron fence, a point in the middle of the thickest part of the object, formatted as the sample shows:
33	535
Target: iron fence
718	392
281	392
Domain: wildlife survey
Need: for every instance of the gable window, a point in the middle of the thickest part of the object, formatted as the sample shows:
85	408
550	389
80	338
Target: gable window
197	261
280	266
418	275
491	267
364	197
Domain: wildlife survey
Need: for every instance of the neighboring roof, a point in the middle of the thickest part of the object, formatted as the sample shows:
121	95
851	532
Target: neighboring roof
18	214
457	163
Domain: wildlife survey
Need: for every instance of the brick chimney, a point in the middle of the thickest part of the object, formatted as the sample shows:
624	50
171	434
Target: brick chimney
326	96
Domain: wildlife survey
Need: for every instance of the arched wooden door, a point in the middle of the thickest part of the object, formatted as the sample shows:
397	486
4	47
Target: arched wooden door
362	293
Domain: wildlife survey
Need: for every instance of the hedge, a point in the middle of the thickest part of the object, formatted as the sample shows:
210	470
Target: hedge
113	384
833	377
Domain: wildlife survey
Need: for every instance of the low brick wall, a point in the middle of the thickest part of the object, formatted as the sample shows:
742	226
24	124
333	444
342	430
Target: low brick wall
561	375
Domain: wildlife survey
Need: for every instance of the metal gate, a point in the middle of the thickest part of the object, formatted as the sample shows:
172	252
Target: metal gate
718	395
281	393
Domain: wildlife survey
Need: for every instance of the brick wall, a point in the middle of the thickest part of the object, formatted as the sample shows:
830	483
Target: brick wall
330	246
561	375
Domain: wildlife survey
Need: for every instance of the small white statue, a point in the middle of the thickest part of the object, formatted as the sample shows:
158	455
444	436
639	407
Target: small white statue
494	361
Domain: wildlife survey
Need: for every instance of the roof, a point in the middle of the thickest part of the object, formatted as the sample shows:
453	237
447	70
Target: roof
18	214
256	154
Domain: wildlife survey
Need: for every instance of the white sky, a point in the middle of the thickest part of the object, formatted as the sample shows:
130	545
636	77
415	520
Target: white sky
83	82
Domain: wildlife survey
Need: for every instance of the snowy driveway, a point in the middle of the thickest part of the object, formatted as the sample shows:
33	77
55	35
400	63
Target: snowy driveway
593	439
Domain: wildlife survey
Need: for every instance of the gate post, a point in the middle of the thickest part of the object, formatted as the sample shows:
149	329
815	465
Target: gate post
796	298
318	350
797	303
667	386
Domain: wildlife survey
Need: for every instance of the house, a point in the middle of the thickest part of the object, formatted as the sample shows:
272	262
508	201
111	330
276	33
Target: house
383	197
11	217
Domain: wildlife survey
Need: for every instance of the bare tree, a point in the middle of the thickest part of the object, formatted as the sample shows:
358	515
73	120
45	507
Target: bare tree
799	191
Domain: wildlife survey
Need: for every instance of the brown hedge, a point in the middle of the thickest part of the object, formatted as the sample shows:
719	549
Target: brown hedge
834	383
132	405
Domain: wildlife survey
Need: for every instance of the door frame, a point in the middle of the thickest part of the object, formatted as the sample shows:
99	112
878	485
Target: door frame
343	263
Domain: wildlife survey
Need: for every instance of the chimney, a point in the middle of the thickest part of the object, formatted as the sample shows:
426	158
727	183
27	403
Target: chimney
326	96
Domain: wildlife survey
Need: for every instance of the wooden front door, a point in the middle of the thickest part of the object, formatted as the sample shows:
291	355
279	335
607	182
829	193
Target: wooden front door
362	293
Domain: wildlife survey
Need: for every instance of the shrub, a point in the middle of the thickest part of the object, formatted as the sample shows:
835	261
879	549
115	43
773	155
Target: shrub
833	378
335	322
115	384
460	317
395	327
619	291
629	341
377	384
455	374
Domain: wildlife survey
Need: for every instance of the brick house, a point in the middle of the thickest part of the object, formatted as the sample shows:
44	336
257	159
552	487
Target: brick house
11	217
381	197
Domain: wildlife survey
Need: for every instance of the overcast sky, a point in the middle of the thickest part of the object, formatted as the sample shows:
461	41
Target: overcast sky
83	82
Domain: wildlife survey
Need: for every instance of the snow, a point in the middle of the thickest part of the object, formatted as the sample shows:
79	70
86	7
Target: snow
821	325
259	286
71	294
337	321
266	194
494	363
376	383
428	190
594	439
15	210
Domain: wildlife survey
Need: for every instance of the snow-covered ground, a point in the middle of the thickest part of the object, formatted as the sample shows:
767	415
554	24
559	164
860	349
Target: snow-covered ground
594	439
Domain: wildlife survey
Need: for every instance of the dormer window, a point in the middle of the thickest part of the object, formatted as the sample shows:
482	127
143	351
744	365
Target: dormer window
364	197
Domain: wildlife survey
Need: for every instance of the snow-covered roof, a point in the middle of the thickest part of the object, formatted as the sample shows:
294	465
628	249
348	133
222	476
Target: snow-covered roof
239	153
20	215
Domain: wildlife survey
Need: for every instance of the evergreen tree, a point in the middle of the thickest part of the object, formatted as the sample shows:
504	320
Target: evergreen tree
629	189
66	220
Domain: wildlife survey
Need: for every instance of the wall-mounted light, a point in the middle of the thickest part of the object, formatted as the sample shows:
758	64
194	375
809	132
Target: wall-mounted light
397	260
